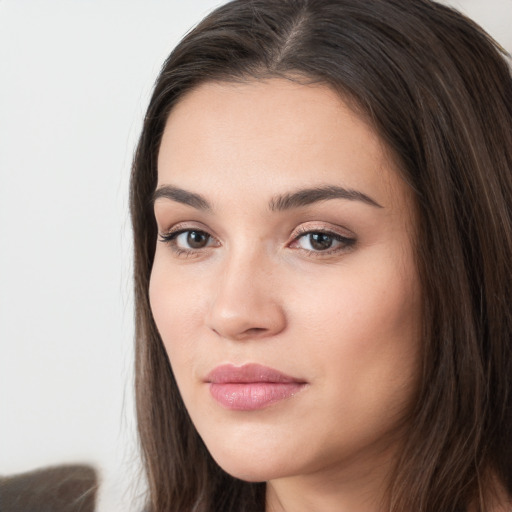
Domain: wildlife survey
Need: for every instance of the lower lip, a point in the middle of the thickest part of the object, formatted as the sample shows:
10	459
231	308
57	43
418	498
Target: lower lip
251	396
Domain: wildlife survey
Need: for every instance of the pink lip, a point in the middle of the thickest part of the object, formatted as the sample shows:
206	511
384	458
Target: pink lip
251	386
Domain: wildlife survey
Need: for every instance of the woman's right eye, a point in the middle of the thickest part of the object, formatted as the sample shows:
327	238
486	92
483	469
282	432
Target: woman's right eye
187	241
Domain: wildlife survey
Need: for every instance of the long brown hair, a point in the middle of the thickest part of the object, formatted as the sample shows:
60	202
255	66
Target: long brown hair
439	92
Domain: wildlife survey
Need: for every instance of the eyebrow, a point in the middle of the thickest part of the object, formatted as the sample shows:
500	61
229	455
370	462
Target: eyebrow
308	196
181	196
300	198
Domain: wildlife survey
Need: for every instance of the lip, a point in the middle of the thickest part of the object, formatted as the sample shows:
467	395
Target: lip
251	386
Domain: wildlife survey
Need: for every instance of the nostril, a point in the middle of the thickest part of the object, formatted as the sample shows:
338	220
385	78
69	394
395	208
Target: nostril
255	330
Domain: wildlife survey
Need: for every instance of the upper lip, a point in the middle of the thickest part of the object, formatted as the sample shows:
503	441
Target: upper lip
229	373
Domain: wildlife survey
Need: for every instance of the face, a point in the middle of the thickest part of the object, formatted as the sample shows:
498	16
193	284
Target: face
284	286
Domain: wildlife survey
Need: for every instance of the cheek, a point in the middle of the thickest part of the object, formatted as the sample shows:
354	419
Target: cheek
363	331
176	305
369	304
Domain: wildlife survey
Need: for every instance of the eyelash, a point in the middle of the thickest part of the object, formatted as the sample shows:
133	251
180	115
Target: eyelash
346	242
170	239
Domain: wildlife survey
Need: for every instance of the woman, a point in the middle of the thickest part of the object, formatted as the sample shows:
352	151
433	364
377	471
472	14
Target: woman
321	208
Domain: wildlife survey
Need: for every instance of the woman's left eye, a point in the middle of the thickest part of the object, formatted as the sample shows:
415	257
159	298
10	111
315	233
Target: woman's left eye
322	241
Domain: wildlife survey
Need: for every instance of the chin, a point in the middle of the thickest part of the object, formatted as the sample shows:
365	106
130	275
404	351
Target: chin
251	468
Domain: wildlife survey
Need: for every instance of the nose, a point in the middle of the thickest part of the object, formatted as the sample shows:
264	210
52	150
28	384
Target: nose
245	303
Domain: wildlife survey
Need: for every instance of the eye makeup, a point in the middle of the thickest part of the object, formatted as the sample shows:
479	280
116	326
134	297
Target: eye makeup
310	239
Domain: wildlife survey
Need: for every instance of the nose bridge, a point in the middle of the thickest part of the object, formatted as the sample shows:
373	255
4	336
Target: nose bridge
245	303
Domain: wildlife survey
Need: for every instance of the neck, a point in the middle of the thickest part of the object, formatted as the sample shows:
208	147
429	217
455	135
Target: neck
358	489
359	485
494	495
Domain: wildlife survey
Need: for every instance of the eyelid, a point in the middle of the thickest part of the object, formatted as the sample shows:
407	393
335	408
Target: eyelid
347	239
315	227
175	233
170	236
342	235
180	227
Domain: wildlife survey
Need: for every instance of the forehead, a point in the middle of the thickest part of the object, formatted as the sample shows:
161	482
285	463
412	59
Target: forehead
274	134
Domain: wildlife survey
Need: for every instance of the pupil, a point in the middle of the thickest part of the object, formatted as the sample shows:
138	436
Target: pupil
320	241
196	239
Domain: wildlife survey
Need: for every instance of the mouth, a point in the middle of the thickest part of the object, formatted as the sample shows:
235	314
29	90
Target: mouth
251	387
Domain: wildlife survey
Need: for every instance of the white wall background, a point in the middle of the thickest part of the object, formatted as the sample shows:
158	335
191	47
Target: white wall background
75	79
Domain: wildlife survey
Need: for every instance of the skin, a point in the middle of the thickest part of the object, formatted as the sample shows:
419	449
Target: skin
343	320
